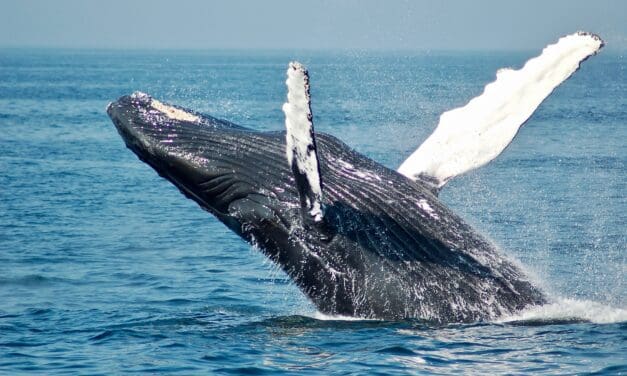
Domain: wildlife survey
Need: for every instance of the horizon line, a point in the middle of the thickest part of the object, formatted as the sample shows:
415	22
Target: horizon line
607	48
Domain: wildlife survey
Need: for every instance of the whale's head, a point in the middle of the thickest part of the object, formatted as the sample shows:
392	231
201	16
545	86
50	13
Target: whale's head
240	176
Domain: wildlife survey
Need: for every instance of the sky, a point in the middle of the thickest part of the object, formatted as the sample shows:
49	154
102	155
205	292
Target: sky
324	24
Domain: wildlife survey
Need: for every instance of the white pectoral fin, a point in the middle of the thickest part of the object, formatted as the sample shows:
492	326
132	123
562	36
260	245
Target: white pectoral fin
471	136
300	141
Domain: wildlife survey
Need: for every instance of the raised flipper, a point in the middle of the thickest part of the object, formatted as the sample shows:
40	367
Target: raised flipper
301	143
471	136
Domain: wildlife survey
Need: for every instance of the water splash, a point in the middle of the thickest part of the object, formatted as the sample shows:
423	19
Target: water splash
565	309
323	317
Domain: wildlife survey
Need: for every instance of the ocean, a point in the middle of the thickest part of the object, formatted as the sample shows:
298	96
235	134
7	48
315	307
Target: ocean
105	268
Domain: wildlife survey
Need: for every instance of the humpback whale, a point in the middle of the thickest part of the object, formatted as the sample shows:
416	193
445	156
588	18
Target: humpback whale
358	238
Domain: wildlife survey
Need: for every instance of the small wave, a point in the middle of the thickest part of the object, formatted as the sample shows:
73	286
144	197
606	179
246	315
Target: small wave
397	350
31	280
569	310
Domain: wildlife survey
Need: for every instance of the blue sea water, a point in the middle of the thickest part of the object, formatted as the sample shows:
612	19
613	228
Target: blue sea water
105	268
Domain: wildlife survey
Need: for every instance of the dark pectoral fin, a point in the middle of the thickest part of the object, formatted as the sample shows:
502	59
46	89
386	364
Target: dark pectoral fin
301	144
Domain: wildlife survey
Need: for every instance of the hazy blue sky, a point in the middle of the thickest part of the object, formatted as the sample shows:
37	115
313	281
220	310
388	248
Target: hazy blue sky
356	24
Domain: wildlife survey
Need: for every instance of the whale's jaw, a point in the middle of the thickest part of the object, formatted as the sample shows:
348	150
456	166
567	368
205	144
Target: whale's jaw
198	154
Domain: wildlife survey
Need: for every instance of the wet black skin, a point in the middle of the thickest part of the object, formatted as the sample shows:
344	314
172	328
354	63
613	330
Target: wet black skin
378	254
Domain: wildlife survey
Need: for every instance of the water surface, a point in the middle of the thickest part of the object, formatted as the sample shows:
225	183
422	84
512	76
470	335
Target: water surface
106	268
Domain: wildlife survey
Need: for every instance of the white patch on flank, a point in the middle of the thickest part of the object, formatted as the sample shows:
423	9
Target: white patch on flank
366	175
299	137
424	205
173	112
471	136
334	272
346	165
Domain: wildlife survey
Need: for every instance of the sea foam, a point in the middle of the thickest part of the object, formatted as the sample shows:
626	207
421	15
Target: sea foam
564	309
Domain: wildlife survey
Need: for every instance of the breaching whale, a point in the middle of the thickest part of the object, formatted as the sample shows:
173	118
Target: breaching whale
359	239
